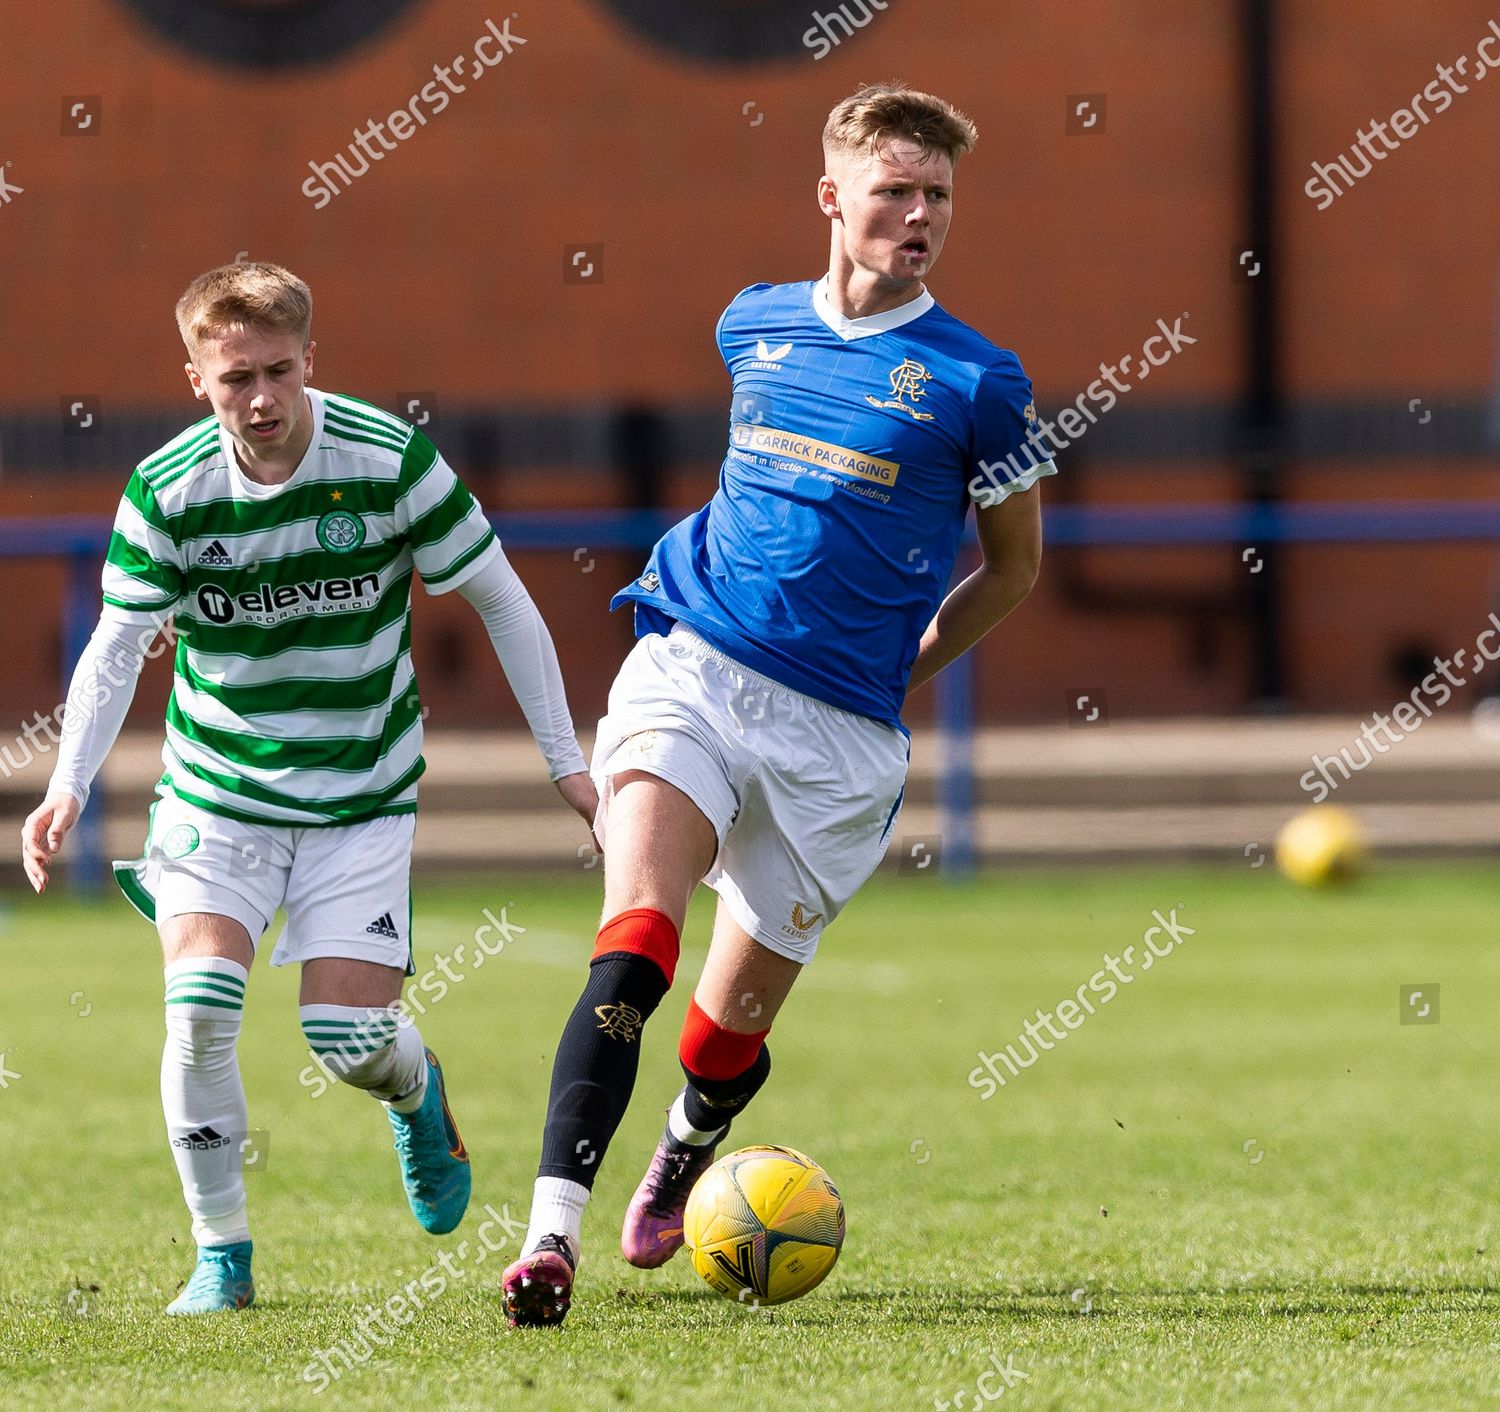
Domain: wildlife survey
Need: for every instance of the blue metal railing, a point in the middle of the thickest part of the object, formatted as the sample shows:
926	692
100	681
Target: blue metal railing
81	542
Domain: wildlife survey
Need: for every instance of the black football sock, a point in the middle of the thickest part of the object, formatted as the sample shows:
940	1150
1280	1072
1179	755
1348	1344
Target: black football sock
713	1104
594	1071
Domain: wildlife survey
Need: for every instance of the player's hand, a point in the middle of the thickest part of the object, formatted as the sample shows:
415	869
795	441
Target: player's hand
43	833
578	789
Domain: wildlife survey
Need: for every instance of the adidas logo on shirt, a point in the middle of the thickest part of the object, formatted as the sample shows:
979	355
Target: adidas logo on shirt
216	556
200	1140
383	926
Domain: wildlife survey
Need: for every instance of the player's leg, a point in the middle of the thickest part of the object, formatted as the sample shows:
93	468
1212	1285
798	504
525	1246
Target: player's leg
349	926
725	1060
211	885
207	960
360	1034
814	821
658	845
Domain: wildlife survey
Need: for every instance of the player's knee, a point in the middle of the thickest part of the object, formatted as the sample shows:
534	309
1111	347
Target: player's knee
622	992
724	1065
642	932
367	1070
198	1040
357	1051
205	1000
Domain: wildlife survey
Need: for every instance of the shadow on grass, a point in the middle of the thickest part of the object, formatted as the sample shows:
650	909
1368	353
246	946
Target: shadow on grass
1285	1301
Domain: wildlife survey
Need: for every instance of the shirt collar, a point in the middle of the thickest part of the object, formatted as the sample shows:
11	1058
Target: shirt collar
849	329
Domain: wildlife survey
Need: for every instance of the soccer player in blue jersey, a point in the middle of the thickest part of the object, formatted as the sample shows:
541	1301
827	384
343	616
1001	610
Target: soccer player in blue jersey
753	738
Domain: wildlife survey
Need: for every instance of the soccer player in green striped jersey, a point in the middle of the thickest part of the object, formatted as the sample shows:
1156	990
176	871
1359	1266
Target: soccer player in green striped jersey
281	535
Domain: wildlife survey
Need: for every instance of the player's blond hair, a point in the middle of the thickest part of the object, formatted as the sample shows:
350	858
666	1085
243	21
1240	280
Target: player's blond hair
867	120
234	297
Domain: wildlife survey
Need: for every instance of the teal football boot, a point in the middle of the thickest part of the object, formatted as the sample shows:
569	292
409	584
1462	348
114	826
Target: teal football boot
221	1280
434	1161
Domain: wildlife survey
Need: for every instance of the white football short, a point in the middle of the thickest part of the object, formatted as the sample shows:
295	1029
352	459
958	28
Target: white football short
346	888
802	795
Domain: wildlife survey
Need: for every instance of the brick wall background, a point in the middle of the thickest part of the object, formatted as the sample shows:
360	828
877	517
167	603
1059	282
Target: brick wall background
443	270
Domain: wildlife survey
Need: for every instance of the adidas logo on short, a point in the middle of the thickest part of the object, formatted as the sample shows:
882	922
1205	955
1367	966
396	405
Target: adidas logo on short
200	1140
216	556
383	926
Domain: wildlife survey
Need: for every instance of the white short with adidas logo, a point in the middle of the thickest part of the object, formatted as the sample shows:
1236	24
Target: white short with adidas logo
346	888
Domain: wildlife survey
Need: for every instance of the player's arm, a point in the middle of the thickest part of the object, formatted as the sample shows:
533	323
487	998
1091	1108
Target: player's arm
1010	538
454	547
142	582
99	696
529	660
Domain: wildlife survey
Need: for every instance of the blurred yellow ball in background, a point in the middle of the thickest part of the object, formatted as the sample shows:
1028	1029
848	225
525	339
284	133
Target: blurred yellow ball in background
1322	845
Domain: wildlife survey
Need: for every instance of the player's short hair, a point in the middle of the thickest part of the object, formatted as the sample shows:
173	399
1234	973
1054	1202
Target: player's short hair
234	297
867	120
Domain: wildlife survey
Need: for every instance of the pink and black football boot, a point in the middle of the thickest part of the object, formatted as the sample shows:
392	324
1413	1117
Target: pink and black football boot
653	1221
538	1288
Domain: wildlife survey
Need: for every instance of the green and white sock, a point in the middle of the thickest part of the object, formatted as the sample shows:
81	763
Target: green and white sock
375	1048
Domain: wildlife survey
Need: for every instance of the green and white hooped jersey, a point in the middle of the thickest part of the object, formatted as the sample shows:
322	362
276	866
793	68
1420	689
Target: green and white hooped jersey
294	699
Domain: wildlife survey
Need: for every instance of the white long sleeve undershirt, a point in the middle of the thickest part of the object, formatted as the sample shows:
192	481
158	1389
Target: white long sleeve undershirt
99	695
529	660
105	678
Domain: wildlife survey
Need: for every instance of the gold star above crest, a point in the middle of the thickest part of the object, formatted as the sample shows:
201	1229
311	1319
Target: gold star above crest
337	494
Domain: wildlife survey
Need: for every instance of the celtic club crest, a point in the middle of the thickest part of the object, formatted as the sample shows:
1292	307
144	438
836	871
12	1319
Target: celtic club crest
340	532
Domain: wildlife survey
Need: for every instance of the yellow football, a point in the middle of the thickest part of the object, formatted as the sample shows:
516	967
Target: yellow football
1324	844
764	1225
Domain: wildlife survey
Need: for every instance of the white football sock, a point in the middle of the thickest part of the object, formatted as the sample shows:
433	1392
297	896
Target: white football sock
556	1209
374	1048
202	1096
684	1131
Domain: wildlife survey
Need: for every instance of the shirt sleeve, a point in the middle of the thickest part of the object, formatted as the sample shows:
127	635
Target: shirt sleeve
524	647
1007	450
449	537
143	569
724	318
99	696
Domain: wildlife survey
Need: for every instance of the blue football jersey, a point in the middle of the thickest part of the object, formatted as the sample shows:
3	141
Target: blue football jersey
855	447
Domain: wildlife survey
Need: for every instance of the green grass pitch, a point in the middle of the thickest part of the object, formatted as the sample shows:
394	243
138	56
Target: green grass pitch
1241	1182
